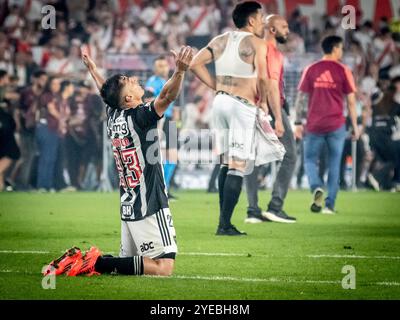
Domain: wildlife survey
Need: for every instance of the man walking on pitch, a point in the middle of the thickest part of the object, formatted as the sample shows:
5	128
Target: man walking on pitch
148	243
325	83
240	67
277	31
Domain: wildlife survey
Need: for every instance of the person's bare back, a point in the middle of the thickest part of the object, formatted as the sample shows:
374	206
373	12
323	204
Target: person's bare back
245	87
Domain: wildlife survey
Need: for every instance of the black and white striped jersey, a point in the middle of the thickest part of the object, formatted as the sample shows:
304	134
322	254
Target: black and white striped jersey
135	145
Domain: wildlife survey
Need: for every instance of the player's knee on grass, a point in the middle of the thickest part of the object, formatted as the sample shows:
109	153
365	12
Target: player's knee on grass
159	267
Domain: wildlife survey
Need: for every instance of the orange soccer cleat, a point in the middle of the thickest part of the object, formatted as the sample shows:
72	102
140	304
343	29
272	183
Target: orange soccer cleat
85	265
64	263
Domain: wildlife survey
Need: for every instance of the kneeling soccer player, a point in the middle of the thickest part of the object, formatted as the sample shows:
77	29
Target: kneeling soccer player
148	244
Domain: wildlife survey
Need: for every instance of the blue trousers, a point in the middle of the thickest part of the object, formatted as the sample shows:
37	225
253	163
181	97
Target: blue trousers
313	144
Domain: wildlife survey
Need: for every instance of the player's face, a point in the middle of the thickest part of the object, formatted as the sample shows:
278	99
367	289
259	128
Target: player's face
131	89
259	24
282	31
161	68
339	51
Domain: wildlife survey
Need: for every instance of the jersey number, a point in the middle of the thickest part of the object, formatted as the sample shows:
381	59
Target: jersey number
129	158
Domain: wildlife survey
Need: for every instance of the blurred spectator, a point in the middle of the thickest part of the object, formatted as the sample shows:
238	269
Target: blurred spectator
9	150
364	36
298	24
77	141
77	10
29	104
14	22
386	109
175	31
154	16
47	136
62	113
383	51
59	64
360	62
204	18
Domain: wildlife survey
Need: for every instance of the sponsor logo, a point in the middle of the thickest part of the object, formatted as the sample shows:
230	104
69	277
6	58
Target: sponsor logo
146	246
325	81
120	128
237	145
127	209
120	142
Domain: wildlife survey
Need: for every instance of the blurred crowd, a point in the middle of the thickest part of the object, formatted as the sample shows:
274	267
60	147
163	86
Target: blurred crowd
51	117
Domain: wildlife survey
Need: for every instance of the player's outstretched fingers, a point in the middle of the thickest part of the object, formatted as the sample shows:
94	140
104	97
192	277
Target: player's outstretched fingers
186	56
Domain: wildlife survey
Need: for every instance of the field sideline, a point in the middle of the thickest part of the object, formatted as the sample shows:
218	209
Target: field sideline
275	261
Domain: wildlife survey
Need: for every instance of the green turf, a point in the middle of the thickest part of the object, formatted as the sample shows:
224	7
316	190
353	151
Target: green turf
273	261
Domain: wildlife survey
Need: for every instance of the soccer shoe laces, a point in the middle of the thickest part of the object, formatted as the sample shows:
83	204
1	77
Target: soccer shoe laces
63	263
86	264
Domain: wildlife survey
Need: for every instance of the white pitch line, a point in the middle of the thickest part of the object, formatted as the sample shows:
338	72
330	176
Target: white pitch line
318	256
388	284
219	278
238	279
218	254
24	251
231	254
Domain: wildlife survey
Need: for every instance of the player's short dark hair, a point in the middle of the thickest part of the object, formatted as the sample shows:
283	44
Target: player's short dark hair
110	91
243	11
3	73
330	42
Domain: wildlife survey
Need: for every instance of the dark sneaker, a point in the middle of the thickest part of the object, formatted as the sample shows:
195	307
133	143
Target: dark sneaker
255	217
318	200
230	231
283	213
278	217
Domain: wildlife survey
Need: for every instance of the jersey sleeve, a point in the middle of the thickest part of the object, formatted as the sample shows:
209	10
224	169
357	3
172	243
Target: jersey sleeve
305	84
349	85
146	115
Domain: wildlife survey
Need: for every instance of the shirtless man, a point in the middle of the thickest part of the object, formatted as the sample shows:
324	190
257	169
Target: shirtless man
241	76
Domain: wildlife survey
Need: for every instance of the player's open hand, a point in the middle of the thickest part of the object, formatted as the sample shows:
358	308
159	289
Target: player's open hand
89	63
183	58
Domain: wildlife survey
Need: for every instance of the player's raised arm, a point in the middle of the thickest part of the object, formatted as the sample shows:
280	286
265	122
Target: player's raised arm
92	68
172	88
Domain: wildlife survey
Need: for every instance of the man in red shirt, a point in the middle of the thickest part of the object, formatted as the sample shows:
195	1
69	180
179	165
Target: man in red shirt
325	82
277	31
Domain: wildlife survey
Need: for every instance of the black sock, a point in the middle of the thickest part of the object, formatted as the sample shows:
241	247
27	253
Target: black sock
221	182
129	265
232	189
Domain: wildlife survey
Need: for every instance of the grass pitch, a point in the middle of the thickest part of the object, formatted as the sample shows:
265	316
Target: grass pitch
275	261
